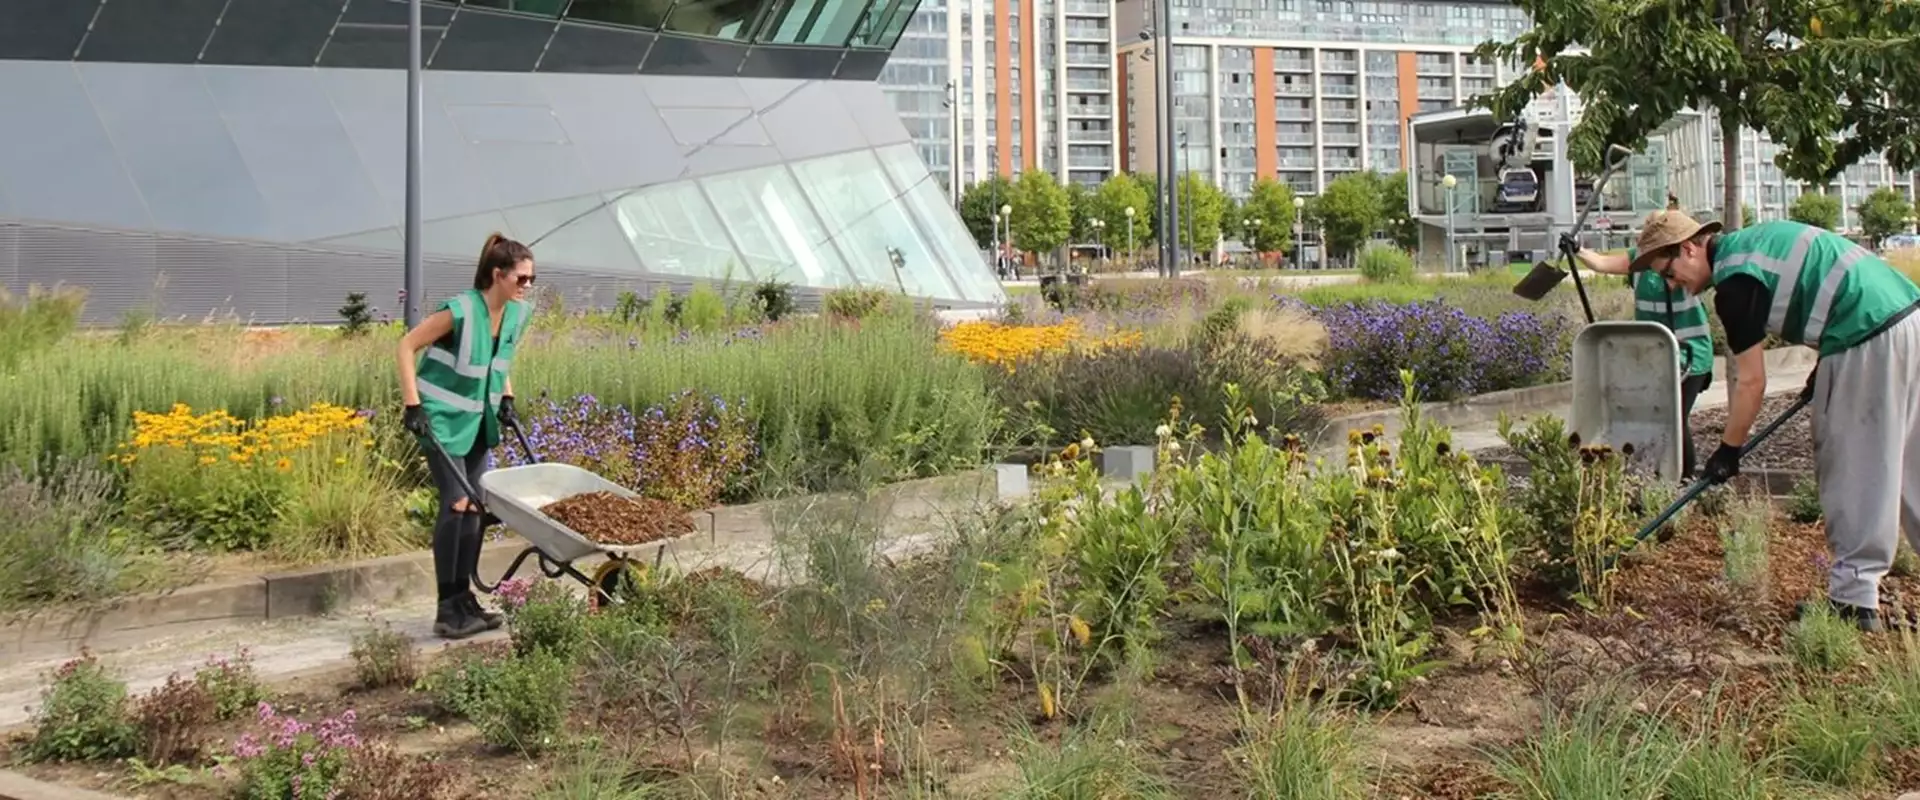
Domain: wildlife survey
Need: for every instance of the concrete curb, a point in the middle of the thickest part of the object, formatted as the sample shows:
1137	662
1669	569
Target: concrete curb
1485	409
15	786
319	590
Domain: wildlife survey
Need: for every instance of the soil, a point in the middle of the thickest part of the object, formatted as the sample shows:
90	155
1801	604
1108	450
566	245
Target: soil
611	519
1674	622
1789	448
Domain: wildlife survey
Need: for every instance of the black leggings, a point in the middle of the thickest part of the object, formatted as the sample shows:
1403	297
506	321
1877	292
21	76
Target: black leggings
1690	389
456	535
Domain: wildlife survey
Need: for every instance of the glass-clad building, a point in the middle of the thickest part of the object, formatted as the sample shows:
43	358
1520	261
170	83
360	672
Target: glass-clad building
248	156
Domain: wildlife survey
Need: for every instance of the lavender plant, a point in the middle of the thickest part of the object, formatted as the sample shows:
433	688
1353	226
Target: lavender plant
1452	353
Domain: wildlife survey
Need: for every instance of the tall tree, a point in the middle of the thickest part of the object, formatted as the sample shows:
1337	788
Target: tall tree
1042	213
1271	202
1080	200
1395	222
1816	208
1641	62
1111	202
1883	214
979	202
1349	211
1202	206
1855	67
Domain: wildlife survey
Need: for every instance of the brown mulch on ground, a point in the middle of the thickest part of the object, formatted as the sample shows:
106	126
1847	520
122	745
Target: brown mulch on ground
610	519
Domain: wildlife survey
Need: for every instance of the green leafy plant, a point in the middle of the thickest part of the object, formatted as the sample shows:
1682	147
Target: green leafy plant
84	715
460	683
773	300
232	682
172	721
356	316
525	708
383	657
1803	505
549	620
1383	263
1744	540
1826	735
1824	641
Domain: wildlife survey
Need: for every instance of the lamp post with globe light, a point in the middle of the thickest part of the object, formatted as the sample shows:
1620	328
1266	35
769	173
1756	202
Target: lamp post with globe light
1099	236
1129	231
1449	182
1299	226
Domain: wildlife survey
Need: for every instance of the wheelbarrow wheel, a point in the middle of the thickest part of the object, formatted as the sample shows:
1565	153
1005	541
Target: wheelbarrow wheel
611	582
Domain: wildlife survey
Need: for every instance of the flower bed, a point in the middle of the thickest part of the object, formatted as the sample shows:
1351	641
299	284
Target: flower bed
1246	622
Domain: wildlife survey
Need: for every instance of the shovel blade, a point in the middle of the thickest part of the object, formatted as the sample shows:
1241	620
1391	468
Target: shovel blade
1540	281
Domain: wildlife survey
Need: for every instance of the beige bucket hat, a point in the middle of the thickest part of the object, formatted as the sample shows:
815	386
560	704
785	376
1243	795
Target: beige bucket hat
1664	229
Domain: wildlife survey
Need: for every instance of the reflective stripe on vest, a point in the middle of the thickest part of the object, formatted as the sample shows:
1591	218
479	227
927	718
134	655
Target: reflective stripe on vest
460	362
1823	299
1786	272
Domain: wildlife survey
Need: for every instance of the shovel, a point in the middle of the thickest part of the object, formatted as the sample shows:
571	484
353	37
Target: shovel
1545	275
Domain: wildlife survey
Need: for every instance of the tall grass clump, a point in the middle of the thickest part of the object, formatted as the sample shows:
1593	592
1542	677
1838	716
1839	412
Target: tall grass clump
1306	752
67	540
1597	750
36	321
1384	263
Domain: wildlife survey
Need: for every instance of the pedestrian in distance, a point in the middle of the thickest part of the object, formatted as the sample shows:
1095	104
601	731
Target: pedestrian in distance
455	389
1813	287
1655	301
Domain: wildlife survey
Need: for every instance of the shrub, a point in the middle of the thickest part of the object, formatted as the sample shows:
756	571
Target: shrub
858	304
1383	263
1824	641
1827	736
1130	294
773	300
219	478
704	310
83	716
356	316
346	501
35	322
172	721
549	621
232	683
692	450
67	541
1803	505
379	771
1451	353
526	706
459	683
293	759
383	657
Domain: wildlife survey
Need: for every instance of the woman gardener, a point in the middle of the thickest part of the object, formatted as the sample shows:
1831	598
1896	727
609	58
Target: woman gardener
459	394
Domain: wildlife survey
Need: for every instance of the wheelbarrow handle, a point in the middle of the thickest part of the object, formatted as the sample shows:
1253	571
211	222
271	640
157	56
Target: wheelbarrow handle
1703	484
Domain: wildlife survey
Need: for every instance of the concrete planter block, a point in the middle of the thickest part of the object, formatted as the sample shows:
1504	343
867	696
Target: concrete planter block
1130	463
1010	481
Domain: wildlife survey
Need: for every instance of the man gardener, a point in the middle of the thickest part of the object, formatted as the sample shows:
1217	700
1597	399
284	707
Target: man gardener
1810	286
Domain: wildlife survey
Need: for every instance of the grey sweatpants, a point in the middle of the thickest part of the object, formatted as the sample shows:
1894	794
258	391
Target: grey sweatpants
1866	449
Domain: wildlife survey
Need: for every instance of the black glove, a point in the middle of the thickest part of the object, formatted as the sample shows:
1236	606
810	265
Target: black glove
1569	243
507	417
1723	464
414	419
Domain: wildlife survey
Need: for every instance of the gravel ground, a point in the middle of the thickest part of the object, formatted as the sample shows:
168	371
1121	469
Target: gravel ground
1790	448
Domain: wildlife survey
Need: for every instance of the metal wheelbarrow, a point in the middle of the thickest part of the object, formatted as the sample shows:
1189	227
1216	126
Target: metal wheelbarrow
513	497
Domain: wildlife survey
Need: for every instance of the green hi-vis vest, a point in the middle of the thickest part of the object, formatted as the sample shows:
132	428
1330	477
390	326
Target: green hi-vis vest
463	376
1828	293
1654	301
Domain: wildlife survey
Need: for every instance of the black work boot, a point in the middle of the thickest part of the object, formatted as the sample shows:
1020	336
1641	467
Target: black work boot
1867	619
471	605
472	537
453	622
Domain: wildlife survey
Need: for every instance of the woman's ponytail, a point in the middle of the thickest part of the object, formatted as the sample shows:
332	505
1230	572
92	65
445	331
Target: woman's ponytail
499	253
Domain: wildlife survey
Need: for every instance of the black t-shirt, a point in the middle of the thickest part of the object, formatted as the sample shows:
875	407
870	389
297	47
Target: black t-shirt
1743	303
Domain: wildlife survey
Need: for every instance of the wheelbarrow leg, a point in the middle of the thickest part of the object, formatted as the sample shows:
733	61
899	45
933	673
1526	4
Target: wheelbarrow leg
508	575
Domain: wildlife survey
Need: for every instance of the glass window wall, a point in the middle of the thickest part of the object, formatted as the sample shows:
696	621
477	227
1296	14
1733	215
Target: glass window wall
633	13
776	230
675	232
544	8
965	266
871	225
720	19
882	27
826	22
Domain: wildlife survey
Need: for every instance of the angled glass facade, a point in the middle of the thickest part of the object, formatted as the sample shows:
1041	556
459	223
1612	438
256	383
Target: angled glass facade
285	131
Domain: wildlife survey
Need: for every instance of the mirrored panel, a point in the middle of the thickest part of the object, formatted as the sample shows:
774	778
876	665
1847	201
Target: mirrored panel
946	234
720	19
776	229
857	201
882	27
827	22
634	13
675	232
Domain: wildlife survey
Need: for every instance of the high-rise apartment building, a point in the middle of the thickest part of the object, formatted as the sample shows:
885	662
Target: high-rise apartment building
1023	84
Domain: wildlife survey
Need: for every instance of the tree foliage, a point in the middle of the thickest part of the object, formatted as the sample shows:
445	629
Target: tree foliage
1399	226
1111	202
1855	68
979	202
1042	212
1349	210
1202	206
1747	217
1080	201
1270	202
1883	214
1817	209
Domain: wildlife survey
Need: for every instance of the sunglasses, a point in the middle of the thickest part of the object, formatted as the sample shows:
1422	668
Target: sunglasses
523	280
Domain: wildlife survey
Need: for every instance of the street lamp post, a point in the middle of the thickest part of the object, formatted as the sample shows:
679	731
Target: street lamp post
999	264
1006	213
1129	231
1299	227
413	276
1449	182
953	151
1251	230
1099	237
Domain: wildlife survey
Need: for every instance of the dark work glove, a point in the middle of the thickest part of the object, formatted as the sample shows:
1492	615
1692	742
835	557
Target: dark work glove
414	419
1569	243
1806	394
1723	464
507	417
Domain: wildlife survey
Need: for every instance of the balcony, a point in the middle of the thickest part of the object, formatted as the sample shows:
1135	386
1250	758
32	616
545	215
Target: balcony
1081	58
1101	162
1292	90
1294	138
1433	67
1338	114
1094	8
1340	89
1095	111
1089	85
1293	114
1296	162
1339	162
1090	137
1436	93
1292	65
1083	33
1348	139
1339	65
1476	68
